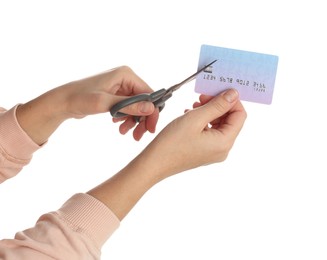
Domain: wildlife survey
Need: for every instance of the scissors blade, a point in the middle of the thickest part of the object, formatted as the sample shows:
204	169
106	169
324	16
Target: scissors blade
190	78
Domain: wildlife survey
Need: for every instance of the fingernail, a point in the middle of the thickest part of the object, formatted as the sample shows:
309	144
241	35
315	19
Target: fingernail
231	95
146	107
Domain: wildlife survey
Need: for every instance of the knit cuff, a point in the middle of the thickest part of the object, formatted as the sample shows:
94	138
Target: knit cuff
14	140
90	216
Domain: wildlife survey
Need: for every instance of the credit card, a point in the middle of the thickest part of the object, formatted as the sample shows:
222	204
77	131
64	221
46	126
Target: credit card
252	74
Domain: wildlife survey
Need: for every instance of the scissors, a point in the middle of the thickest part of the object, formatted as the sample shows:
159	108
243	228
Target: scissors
158	98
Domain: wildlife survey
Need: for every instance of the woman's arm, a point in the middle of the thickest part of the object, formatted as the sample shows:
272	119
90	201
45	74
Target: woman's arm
81	226
200	137
24	128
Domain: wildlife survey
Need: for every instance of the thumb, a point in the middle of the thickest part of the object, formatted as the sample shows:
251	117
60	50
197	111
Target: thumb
141	108
217	107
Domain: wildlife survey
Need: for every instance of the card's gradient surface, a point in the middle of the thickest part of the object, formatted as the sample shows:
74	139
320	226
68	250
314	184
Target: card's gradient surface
252	74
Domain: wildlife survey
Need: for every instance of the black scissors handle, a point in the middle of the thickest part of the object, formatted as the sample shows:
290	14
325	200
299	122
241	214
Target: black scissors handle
155	97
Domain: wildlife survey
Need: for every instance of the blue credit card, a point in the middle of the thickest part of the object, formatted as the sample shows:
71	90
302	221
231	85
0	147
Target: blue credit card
252	74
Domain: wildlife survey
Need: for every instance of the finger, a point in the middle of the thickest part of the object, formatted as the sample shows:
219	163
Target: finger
127	125
142	108
139	130
204	99
196	104
139	109
148	123
152	120
234	121
119	119
216	107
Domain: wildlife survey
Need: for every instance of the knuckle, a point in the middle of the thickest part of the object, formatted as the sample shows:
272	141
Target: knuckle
220	106
125	69
122	70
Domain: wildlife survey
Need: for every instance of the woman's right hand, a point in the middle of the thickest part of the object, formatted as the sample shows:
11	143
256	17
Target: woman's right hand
201	136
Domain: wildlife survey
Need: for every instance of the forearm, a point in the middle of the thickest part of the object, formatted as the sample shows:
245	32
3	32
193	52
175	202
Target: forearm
121	192
40	117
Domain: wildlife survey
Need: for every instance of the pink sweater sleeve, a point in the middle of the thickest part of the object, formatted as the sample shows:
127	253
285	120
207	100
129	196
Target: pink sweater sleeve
77	230
16	147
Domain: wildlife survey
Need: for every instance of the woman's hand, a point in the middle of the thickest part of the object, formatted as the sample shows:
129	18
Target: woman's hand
97	94
201	136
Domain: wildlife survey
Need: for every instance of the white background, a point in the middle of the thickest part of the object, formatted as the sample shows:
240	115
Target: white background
266	201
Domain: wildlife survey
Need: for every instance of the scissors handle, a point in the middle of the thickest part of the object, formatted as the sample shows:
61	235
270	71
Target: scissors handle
154	97
158	98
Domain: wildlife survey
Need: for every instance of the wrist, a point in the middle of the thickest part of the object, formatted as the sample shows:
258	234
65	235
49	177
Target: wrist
153	166
121	192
